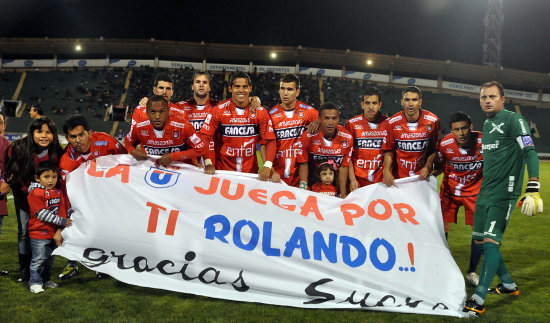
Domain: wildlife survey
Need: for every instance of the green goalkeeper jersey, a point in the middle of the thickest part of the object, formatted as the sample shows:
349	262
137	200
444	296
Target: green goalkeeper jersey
505	139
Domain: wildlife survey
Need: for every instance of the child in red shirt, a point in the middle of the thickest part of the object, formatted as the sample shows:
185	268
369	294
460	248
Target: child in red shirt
326	174
48	217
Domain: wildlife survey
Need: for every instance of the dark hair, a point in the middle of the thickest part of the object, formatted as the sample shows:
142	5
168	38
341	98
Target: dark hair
156	98
372	91
38	109
239	75
74	121
3	115
412	89
201	73
44	167
329	106
163	77
291	77
327	166
20	166
460	116
494	83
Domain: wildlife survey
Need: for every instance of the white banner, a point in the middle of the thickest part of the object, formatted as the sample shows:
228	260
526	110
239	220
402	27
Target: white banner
414	81
460	87
231	236
368	76
174	64
275	69
28	63
227	67
320	71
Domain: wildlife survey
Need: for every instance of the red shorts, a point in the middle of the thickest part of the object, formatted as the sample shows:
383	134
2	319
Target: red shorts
450	204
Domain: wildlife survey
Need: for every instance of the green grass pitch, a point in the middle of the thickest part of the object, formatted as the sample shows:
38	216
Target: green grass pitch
84	299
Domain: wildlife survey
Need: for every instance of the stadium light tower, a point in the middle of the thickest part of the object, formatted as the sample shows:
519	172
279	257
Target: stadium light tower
494	20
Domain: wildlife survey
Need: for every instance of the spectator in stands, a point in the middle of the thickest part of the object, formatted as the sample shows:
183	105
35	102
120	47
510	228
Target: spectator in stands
331	142
368	131
412	139
36	112
40	144
4	187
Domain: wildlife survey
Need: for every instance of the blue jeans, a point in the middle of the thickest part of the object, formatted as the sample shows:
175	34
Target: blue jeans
23	231
42	260
1	221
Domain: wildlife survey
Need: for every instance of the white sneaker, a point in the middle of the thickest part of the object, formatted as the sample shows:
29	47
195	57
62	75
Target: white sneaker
36	288
50	284
472	279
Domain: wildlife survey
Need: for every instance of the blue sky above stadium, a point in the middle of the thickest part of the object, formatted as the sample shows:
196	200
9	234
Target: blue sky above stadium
434	29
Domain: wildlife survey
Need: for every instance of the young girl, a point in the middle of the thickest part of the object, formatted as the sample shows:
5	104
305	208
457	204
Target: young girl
40	144
327	174
48	217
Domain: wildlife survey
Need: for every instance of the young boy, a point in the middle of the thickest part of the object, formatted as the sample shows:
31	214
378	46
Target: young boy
48	217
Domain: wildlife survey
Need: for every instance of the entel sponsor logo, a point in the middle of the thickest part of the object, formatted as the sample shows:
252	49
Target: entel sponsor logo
242	151
490	146
161	178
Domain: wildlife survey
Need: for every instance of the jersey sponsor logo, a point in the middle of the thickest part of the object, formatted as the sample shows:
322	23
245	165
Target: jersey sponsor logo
367	143
143	123
277	115
153	142
197	124
100	143
412	145
323	158
305	106
161	178
355	119
329	151
239	130
374	133
242	151
223	105
431	118
489	147
176	134
398	127
239	120
449	151
177	124
159	151
226	113
54	201
522	125
358	127
195	139
470	167
447	142
301	114
395	119
497	128
274	110
413	135
345	135
289	133
144	132
287	123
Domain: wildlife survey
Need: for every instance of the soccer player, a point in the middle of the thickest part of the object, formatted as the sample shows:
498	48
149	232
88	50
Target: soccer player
197	109
164	86
239	130
413	137
461	160
290	118
368	131
331	142
84	144
507	147
164	135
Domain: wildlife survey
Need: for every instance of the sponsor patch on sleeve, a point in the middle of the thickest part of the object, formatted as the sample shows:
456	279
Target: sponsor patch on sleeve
525	141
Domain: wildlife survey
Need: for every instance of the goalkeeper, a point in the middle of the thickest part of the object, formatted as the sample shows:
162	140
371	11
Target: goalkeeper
507	147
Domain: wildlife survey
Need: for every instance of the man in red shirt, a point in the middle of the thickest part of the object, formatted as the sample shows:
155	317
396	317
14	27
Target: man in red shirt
290	118
413	137
164	86
331	142
239	130
461	159
368	131
164	135
84	144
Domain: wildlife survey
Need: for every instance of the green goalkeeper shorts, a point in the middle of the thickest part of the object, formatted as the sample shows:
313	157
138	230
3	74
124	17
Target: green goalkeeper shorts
491	218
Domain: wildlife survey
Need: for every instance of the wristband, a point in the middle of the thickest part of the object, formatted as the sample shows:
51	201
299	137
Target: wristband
207	162
268	164
303	185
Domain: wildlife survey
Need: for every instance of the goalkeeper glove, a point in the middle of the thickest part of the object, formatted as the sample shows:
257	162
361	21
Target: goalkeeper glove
530	202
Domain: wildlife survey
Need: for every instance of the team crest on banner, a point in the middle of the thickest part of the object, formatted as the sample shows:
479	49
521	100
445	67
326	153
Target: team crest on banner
161	178
301	114
176	134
